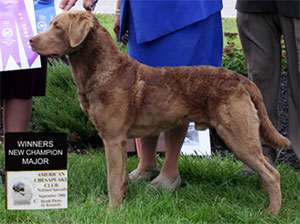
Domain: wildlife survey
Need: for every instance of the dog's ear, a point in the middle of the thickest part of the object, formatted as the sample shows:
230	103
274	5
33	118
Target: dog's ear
79	27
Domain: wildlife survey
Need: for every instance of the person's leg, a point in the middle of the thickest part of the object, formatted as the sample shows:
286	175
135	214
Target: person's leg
147	153
173	140
169	177
147	168
291	32
296	144
17	114
260	38
16	117
297	38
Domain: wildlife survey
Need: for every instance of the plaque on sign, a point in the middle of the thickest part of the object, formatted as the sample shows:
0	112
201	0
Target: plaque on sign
36	170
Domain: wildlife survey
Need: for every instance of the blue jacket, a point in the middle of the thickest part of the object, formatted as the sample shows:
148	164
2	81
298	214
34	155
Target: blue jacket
156	18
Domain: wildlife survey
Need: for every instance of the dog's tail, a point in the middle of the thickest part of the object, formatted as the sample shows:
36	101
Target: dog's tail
267	131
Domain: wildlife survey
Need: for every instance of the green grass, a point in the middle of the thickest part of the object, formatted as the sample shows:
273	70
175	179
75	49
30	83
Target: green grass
212	192
229	25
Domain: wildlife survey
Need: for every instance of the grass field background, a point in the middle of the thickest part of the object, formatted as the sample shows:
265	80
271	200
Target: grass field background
213	191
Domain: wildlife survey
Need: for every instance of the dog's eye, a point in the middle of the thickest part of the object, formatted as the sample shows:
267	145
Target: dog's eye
56	25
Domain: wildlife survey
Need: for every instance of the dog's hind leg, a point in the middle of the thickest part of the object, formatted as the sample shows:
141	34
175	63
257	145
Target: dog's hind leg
117	174
239	128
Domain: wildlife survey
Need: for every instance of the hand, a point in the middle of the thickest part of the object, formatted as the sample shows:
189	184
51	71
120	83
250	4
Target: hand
67	4
117	26
87	4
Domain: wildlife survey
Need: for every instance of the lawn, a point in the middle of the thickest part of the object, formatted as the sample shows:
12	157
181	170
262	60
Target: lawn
213	191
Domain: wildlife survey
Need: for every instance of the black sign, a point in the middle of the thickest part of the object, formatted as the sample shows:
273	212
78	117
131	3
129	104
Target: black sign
35	151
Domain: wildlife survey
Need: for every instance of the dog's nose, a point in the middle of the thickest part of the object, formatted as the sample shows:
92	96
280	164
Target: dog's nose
31	41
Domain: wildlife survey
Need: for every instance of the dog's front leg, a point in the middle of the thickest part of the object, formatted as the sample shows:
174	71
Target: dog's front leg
116	159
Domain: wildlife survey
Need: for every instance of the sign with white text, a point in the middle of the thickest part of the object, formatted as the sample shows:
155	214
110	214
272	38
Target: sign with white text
36	171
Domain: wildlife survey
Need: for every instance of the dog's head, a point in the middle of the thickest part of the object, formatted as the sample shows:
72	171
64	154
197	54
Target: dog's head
19	187
65	34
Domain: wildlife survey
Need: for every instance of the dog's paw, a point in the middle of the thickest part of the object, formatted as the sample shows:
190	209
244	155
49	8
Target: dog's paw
271	211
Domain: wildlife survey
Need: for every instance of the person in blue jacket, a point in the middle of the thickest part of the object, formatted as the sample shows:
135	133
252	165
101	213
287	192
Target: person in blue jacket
169	33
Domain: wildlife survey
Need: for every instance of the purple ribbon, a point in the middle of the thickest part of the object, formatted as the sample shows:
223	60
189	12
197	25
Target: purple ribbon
14	12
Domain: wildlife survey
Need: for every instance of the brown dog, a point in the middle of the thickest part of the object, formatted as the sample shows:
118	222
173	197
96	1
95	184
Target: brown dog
126	99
